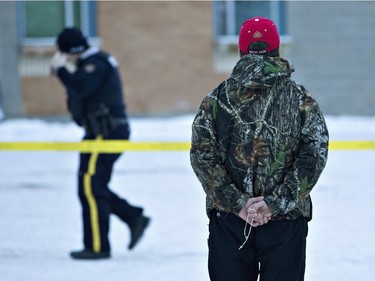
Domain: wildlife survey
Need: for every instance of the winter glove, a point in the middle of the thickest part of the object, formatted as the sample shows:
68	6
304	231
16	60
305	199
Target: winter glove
58	60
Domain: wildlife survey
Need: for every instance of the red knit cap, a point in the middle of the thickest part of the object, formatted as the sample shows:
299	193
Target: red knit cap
258	29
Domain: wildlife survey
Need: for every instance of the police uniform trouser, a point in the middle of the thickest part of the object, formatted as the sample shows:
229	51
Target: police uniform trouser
275	251
97	200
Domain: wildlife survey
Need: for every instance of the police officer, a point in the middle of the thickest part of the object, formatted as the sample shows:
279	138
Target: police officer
95	102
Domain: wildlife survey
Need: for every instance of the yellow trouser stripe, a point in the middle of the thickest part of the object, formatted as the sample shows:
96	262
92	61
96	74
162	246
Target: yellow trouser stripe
94	217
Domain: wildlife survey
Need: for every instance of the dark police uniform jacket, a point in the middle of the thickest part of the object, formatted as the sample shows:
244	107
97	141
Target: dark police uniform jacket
94	90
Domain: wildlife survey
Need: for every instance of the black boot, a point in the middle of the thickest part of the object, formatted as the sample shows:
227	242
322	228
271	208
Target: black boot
137	229
86	254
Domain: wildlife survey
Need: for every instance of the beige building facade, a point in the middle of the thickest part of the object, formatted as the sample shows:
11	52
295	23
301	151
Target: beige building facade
164	49
171	56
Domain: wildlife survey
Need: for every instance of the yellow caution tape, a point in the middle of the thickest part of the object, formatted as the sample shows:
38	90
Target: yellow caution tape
109	146
352	145
114	146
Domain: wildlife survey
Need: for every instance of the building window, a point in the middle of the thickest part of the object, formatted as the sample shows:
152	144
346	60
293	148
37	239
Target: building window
39	24
41	21
228	16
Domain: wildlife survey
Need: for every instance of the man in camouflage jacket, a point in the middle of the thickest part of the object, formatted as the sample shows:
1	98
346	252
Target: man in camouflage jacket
259	145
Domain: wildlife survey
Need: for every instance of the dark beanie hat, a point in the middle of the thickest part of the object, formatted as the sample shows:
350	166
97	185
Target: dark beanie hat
71	40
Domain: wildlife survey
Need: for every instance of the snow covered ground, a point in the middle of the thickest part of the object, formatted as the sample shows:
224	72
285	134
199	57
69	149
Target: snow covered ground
40	213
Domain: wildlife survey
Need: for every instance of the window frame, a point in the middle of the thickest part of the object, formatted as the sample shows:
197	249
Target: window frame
88	22
277	14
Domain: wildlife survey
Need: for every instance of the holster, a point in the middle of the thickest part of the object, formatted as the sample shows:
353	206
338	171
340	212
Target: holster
102	122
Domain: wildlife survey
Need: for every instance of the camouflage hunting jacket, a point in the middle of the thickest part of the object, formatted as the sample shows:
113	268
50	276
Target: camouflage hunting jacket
259	133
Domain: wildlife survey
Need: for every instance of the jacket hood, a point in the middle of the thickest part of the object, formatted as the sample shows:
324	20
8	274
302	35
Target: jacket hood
259	71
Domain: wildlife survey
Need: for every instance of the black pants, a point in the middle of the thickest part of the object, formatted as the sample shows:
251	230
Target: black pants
275	251
97	200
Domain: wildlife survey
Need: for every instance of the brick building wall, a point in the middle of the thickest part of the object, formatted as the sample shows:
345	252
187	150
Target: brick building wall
165	51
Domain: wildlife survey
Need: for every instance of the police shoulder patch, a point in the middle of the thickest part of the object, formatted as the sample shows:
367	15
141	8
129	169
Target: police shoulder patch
89	68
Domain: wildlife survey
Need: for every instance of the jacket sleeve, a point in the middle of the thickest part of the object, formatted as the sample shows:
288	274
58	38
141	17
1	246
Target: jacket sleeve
308	165
206	162
86	80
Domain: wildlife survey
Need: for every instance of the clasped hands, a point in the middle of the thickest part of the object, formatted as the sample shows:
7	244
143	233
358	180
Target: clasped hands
256	212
